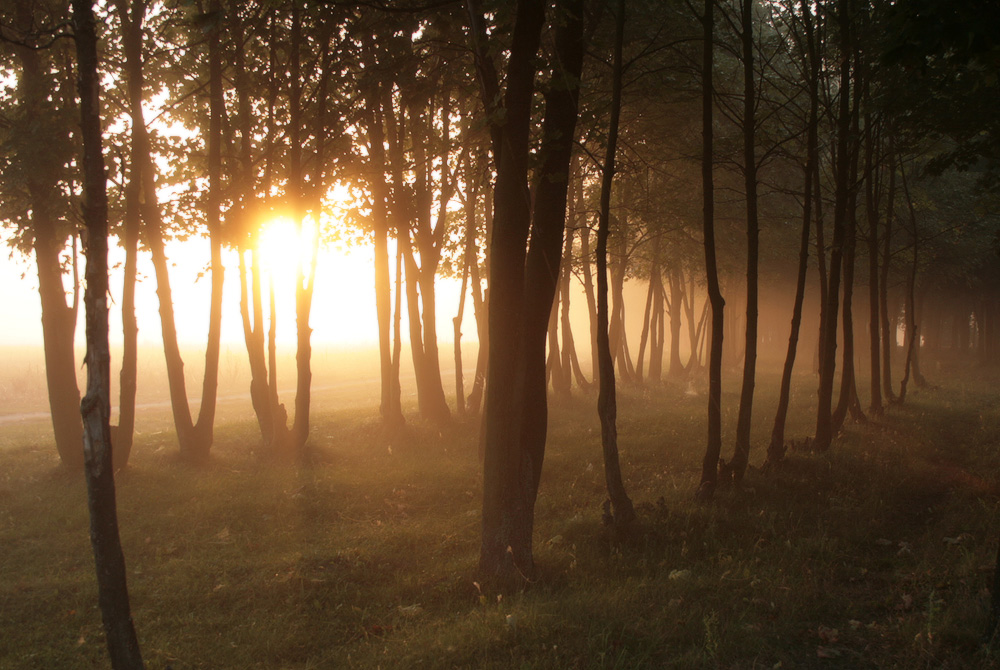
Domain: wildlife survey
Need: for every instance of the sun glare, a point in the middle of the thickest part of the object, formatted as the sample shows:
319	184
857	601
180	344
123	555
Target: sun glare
285	248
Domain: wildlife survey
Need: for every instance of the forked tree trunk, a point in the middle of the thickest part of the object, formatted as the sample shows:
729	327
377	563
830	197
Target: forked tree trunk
112	589
522	286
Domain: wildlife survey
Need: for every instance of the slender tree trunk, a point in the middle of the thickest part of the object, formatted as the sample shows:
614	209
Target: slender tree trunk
132	16
710	465
204	428
741	453
657	329
391	412
468	259
912	332
828	348
776	448
871	211
621	510
58	318
112	589
588	291
888	330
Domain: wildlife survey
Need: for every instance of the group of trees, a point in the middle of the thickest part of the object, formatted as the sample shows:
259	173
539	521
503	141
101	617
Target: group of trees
520	147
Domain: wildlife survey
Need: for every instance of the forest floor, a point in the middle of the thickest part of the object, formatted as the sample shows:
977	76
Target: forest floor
877	554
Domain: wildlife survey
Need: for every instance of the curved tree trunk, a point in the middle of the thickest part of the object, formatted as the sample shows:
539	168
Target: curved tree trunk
622	512
828	347
112	589
776	448
741	453
710	464
58	317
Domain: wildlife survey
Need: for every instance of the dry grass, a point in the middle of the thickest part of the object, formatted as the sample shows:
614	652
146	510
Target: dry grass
874	555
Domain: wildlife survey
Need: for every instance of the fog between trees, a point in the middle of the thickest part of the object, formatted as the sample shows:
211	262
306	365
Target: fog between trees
829	166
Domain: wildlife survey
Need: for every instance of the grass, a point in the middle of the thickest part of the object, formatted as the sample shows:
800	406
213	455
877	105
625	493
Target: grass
874	555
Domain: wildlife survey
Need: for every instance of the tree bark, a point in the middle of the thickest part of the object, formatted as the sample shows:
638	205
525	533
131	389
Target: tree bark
741	452
622	512
389	406
522	287
123	646
58	317
776	448
828	347
710	464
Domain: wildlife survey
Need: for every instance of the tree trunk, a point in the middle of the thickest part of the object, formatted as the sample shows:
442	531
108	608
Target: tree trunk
390	410
710	464
912	333
828	318
871	211
58	318
588	291
622	512
741	452
522	287
888	330
776	448
131	16
112	589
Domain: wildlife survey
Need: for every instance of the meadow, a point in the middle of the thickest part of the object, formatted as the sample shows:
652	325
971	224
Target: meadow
877	554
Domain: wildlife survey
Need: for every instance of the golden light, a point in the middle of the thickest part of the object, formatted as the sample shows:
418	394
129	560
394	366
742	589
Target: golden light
285	249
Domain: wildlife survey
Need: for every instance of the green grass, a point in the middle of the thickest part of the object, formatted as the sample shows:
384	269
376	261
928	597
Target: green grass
367	559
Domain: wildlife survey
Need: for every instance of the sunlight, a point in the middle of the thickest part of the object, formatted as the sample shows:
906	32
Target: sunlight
285	249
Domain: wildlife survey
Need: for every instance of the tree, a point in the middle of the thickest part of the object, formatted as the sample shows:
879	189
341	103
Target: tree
622	512
522	280
123	645
39	147
710	465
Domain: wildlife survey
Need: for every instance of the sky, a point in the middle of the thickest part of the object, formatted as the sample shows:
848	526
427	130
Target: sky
343	312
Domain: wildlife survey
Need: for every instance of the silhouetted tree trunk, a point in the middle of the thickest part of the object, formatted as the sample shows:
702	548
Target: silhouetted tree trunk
831	305
123	646
468	259
741	452
522	286
131	16
888	330
912	333
848	400
389	406
195	440
776	448
871	212
657	329
710	464
588	291
622	512
571	362
58	317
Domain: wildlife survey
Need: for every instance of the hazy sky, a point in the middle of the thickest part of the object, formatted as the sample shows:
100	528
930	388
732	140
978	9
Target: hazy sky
343	305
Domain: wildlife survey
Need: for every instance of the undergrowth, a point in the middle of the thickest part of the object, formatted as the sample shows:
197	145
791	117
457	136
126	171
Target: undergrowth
874	555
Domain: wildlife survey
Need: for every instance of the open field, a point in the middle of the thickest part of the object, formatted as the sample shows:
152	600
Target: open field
875	555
